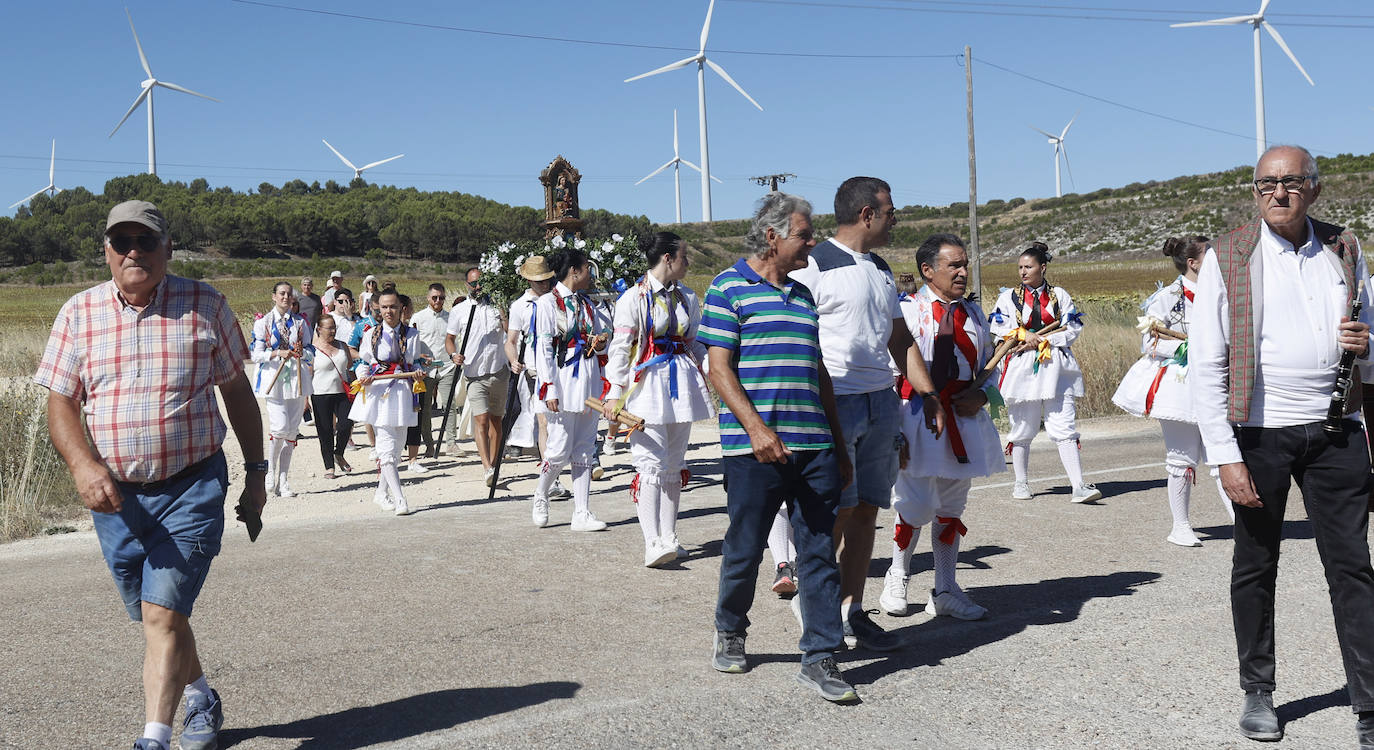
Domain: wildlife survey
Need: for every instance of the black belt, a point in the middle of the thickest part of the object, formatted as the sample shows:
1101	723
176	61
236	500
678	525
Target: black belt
185	473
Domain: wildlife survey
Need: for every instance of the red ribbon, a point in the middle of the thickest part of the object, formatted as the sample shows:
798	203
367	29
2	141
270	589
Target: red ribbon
634	489
902	533
952	526
1154	388
956	441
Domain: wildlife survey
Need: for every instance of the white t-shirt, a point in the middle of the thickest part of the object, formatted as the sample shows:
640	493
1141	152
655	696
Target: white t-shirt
857	300
485	353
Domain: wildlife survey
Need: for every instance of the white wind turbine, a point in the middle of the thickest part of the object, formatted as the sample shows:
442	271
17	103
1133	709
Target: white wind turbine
702	63
51	189
147	94
1059	148
677	182
358	171
1256	21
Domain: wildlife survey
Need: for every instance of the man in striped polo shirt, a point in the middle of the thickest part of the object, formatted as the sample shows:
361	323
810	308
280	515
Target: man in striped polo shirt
780	438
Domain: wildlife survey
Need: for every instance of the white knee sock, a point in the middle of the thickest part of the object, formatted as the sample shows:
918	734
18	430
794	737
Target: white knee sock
1180	491
671	497
1020	461
649	498
548	475
391	479
946	555
901	556
582	487
780	539
275	445
284	460
1073	465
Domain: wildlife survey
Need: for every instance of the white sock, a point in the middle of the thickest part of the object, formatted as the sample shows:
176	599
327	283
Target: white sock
848	609
946	557
548	477
274	456
1020	461
158	731
285	457
582	487
901	556
392	481
1180	490
671	497
647	507
780	539
1073	465
199	687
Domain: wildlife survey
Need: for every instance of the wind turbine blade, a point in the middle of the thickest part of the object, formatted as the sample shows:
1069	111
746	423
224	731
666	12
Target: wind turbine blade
142	57
139	100
665	68
1067	167
670	163
184	90
341	156
1050	136
383	161
1214	22
721	72
693	166
705	27
1263	7
1274	33
675	134
26	200
52	162
1066	127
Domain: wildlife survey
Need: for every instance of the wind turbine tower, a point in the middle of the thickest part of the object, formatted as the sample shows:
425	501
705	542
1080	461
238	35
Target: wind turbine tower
147	94
677	182
1256	21
1059	148
702	63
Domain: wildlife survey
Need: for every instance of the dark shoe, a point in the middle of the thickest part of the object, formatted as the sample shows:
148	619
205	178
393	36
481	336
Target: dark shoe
1258	721
143	743
825	678
729	653
1364	730
786	581
859	630
204	717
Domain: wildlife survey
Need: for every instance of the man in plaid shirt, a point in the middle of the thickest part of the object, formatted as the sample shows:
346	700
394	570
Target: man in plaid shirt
134	362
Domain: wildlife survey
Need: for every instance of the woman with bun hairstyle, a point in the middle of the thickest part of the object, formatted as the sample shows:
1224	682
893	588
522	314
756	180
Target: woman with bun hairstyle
1157	384
655	373
283	352
1040	377
569	335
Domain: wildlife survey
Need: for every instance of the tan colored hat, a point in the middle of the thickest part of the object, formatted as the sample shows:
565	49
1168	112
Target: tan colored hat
137	212
535	268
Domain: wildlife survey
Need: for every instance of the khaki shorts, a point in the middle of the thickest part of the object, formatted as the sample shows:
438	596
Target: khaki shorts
487	394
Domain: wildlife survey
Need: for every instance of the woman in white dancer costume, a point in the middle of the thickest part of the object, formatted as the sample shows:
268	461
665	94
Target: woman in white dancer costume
390	405
932	487
283	352
655	373
568	337
1157	384
1040	378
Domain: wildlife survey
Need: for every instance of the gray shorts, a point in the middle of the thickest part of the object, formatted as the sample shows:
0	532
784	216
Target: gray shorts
487	393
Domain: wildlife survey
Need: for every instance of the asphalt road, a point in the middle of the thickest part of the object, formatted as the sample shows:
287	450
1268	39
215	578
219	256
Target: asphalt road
465	626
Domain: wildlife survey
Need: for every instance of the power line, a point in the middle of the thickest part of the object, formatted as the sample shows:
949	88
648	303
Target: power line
570	40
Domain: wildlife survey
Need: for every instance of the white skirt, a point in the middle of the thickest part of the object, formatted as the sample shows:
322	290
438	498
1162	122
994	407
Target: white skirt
1173	400
652	396
932	457
1050	381
386	402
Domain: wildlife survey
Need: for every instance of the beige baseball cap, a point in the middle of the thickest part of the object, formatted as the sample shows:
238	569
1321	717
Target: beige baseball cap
137	212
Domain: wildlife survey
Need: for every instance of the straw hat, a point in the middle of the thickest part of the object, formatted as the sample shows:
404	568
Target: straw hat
535	268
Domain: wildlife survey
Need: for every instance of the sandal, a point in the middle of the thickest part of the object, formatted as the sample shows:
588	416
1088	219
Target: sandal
344	465
329	474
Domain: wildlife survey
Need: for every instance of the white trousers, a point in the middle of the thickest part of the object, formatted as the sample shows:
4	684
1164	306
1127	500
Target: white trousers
918	500
1059	416
390	441
284	417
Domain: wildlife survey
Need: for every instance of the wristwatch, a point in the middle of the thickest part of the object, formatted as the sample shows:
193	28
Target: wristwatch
932	394
255	466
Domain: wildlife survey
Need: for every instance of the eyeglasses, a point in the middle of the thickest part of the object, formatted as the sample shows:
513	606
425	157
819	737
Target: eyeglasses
1293	183
437	297
124	243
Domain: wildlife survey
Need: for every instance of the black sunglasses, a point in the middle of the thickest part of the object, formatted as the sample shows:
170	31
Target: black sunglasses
124	243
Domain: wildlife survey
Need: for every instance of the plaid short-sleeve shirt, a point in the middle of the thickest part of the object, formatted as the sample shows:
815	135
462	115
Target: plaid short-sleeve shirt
146	379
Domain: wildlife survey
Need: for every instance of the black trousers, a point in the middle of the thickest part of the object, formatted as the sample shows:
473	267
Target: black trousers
332	425
1332	471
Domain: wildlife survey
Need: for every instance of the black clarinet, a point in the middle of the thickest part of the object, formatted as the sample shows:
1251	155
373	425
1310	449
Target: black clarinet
1340	394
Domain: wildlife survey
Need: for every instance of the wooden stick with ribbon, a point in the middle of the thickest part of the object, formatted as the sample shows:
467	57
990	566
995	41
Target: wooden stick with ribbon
623	417
1003	349
1155	327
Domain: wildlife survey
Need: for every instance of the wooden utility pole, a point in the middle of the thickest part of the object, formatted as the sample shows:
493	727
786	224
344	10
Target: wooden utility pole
976	269
772	181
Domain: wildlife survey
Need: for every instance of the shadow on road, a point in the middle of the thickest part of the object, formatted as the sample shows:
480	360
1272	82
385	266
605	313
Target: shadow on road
1303	707
922	561
408	717
1111	489
1291	530
1012	609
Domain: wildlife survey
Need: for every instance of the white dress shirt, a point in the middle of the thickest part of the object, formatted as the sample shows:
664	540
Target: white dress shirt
1298	306
485	353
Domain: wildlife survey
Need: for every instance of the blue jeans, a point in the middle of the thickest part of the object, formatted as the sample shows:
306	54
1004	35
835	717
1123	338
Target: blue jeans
809	483
871	422
160	543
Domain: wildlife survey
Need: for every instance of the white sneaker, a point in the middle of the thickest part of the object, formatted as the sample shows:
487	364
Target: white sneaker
954	604
559	492
1020	490
541	511
402	509
657	553
1184	537
1086	493
678	550
383	500
271	482
417	468
490	477
284	489
893	599
586	521
598	472
608	447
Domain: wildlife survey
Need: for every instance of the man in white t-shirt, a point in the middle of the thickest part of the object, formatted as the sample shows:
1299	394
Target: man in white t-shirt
485	367
335	284
432	323
856	298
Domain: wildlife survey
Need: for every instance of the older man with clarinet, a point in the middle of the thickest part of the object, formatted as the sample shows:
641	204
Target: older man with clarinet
1270	329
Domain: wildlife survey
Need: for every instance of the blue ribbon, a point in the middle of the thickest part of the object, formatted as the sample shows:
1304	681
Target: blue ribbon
1075	317
669	356
996	317
620	286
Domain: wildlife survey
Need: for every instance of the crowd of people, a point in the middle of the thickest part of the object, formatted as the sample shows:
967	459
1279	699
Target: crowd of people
843	389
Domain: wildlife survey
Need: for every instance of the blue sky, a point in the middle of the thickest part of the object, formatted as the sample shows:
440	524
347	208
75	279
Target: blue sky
484	113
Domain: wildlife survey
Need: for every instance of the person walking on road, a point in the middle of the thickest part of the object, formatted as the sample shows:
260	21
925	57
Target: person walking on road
387	371
153	474
486	372
330	396
283	352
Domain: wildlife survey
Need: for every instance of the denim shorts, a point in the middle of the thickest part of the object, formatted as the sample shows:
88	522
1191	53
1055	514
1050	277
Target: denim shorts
871	422
160	543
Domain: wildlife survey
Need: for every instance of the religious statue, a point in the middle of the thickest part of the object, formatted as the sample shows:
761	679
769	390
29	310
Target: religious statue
561	213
